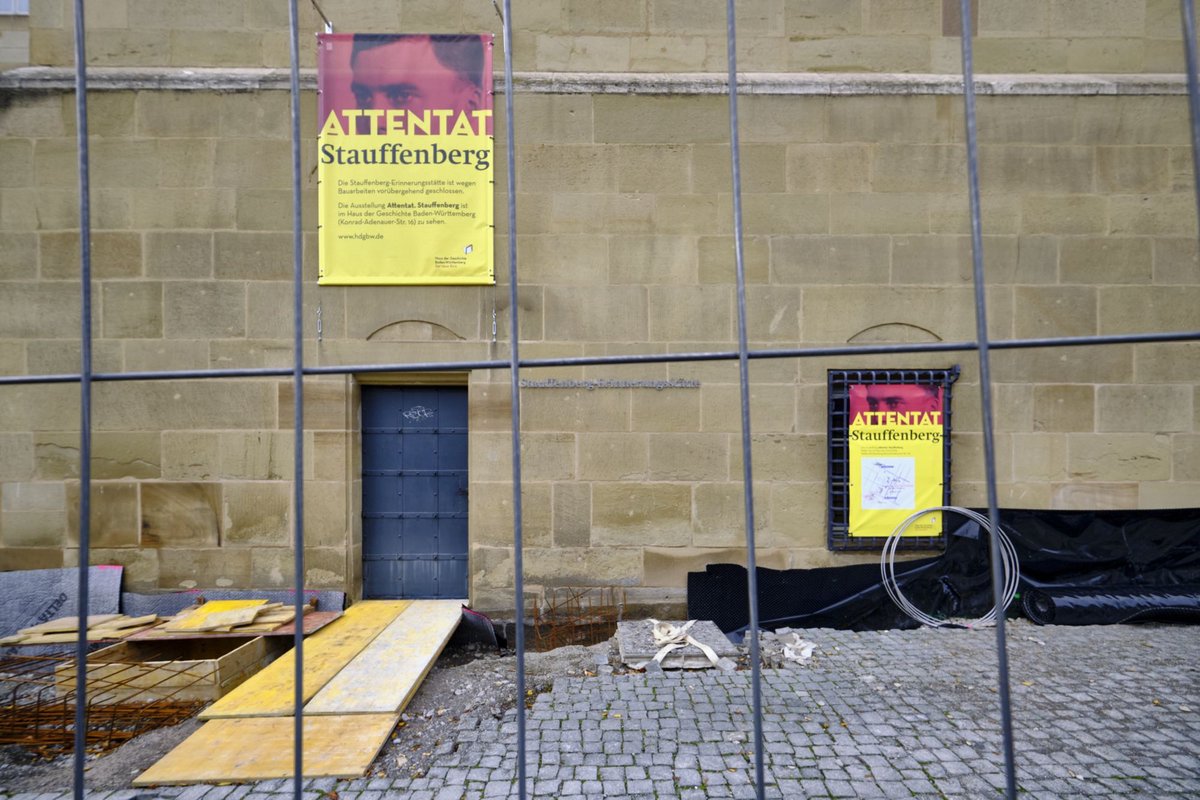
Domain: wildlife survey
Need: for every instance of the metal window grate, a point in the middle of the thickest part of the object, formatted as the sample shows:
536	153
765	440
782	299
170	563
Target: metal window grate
838	489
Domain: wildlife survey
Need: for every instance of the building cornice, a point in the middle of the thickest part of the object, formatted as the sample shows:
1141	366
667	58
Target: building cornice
221	79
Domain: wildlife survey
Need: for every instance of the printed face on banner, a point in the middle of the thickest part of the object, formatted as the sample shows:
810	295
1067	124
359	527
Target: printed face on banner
406	73
899	397
405	159
896	439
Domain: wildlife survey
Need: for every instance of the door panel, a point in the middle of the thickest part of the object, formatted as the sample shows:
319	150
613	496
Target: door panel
414	456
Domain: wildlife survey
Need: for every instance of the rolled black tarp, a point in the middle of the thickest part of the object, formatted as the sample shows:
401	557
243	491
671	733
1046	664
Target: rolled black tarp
1108	605
1144	550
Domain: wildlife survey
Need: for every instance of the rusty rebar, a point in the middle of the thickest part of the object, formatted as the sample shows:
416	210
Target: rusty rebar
576	615
39	707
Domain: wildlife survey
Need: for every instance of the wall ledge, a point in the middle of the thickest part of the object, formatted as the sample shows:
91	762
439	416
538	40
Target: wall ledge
221	79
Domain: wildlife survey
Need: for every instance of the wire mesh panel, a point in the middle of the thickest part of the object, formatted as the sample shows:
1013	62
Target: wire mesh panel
839	383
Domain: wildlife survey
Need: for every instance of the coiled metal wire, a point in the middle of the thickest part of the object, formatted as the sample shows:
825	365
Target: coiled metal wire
1008	561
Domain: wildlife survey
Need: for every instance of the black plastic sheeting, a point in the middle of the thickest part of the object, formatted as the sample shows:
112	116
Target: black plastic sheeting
475	628
1140	552
1110	605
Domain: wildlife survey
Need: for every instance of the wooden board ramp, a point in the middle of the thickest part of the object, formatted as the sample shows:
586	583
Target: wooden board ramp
385	675
255	749
271	692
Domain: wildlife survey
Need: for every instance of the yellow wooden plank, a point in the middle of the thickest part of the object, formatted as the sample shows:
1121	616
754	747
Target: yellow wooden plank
195	620
261	749
270	693
384	676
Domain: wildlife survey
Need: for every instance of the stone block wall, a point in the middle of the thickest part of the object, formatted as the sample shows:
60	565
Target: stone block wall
14	41
856	223
647	35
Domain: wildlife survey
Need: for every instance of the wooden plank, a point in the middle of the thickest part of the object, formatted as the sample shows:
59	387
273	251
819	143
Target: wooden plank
383	677
270	693
127	622
67	624
263	623
195	620
312	623
105	632
227	750
50	638
229	619
281	615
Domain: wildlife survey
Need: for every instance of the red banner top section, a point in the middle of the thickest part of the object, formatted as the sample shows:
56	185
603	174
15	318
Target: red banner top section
422	84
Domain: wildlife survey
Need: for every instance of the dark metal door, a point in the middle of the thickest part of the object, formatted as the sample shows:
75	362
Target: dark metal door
414	459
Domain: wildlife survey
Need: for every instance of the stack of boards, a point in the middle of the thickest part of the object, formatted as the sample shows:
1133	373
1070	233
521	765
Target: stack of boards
216	617
230	616
66	629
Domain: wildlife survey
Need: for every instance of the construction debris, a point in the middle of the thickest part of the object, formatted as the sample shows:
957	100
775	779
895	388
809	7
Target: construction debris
233	616
30	597
359	675
311	623
188	669
569	615
785	648
38	705
694	644
100	627
167	604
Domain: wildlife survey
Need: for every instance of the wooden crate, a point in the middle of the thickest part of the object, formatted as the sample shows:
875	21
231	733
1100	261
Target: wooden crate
183	670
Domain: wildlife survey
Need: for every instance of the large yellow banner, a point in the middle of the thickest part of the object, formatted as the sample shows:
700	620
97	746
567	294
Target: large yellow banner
896	458
405	159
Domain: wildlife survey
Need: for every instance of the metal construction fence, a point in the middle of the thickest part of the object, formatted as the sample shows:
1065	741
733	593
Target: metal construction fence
982	346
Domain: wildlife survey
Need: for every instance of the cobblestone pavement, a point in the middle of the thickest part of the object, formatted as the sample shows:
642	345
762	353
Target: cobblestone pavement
1097	712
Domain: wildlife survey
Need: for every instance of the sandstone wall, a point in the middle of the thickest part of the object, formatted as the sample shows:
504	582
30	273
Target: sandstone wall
648	35
856	232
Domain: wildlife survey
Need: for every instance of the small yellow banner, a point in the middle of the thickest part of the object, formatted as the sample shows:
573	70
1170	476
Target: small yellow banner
896	458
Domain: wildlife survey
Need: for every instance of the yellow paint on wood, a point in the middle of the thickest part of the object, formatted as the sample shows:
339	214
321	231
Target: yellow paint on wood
270	693
196	620
384	676
261	749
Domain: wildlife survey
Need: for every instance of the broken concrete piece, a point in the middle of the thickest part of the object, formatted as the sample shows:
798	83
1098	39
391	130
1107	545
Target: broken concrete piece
637	646
790	649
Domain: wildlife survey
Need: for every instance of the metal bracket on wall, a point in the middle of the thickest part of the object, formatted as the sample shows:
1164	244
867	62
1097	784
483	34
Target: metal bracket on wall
319	330
325	19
